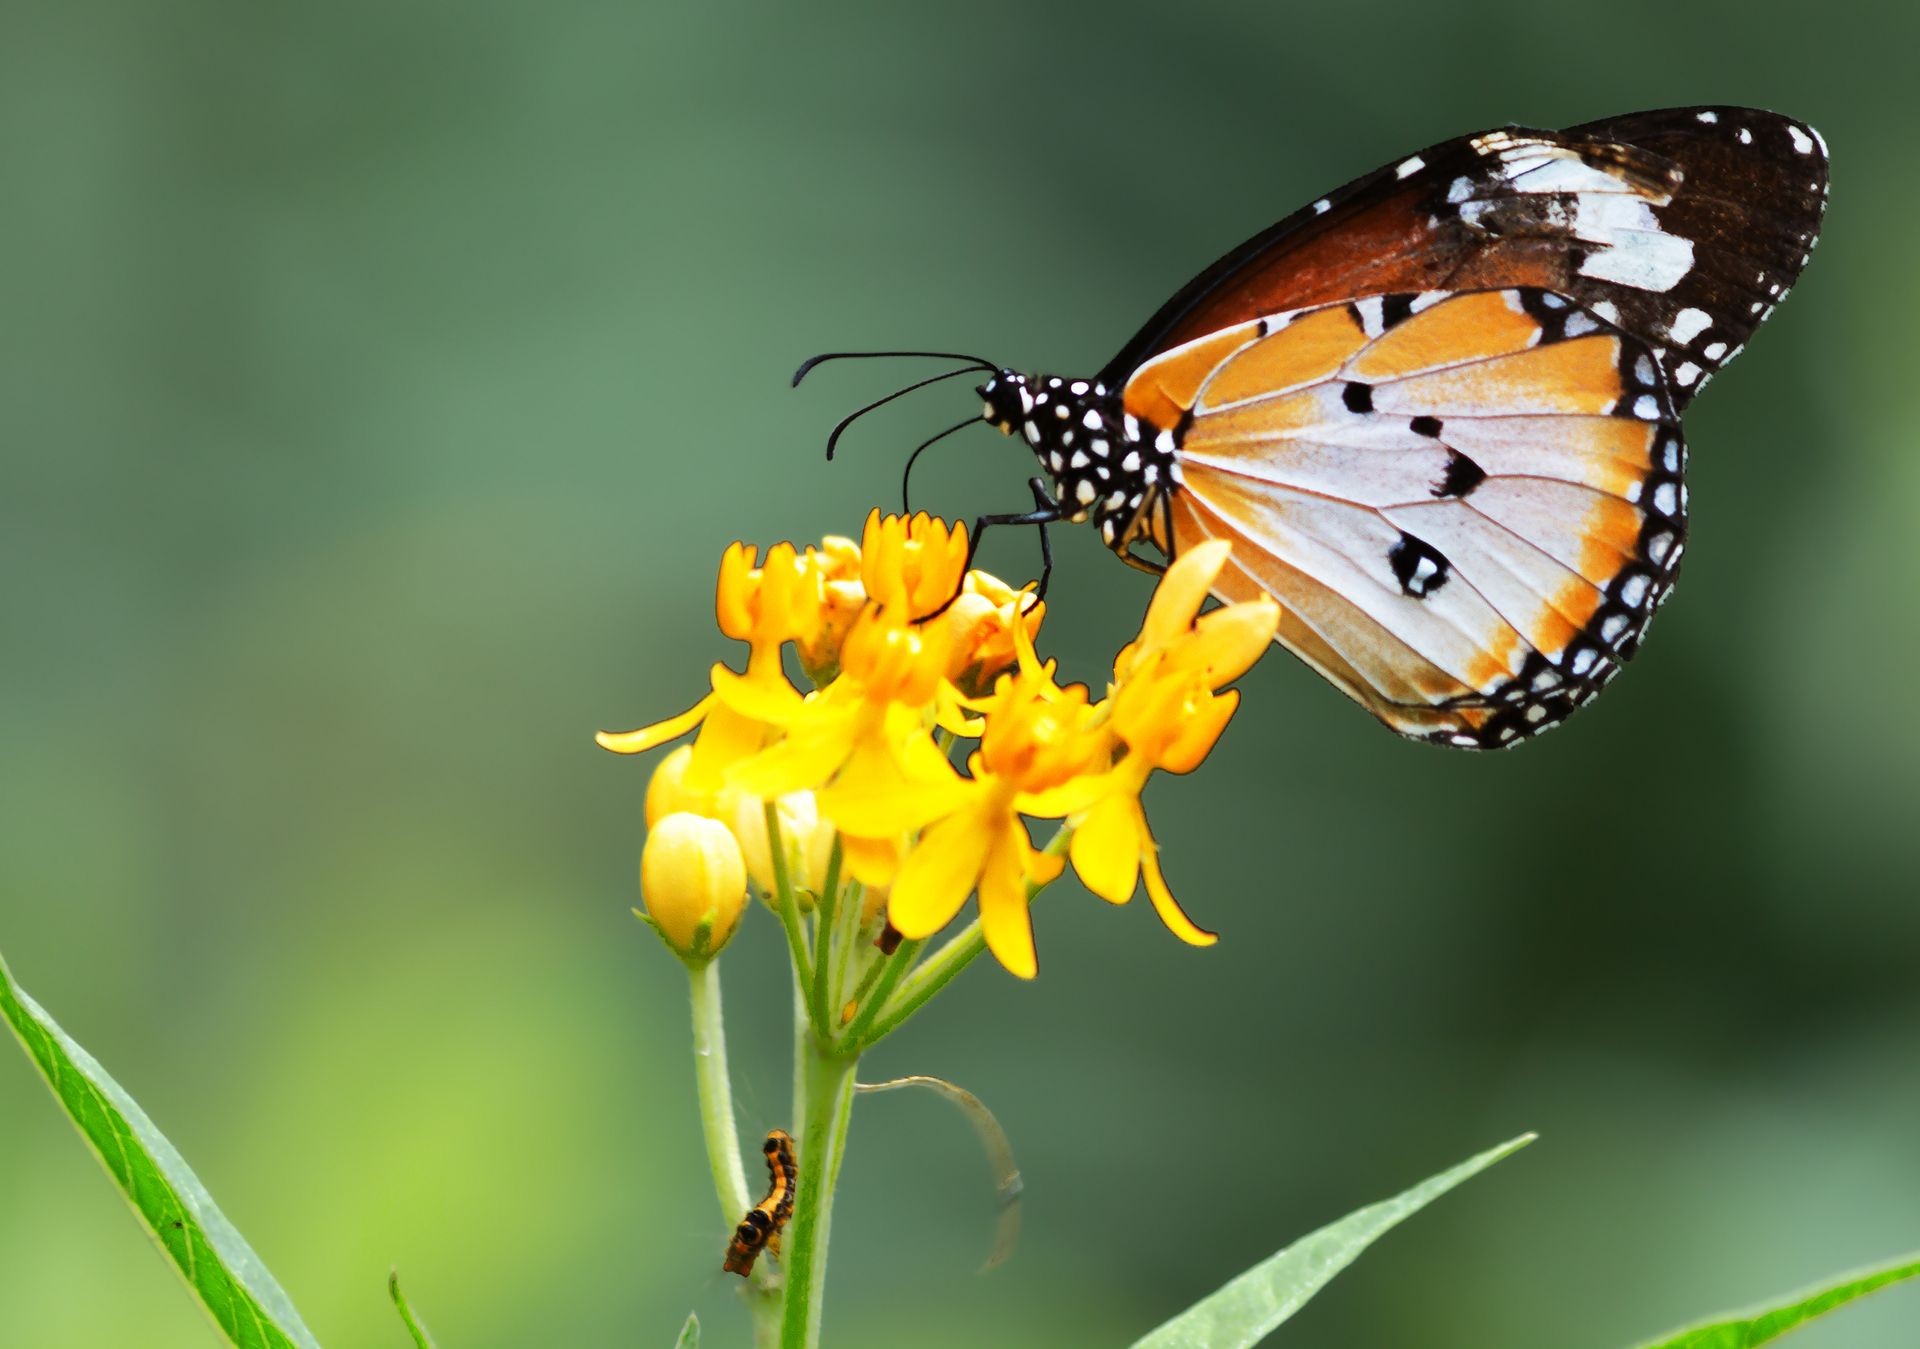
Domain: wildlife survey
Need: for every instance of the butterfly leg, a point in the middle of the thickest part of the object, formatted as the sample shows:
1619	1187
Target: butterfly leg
1045	512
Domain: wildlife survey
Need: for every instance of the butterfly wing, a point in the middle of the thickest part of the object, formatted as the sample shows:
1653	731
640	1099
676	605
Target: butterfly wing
1467	504
1682	227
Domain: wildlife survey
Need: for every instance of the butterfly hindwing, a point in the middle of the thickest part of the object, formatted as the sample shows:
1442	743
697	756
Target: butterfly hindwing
1468	504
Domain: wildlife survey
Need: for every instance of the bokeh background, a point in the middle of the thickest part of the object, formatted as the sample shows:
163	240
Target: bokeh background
378	386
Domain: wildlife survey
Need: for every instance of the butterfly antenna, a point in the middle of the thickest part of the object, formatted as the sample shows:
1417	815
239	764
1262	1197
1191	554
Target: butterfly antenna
833	439
826	356
906	478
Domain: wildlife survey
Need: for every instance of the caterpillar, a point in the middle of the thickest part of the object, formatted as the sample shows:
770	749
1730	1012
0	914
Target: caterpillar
761	1227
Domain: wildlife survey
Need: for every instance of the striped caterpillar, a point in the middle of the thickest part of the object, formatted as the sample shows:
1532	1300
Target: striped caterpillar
761	1227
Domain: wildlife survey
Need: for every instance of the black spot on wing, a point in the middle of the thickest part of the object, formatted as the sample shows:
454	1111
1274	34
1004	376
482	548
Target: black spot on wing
1420	568
1358	397
1462	475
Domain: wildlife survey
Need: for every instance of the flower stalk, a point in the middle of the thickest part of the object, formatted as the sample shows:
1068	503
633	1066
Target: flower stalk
715	1088
828	1079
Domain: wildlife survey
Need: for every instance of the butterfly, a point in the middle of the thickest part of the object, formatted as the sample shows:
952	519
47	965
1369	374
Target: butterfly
1437	412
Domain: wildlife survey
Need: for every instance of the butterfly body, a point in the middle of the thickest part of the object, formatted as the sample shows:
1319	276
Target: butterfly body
1438	411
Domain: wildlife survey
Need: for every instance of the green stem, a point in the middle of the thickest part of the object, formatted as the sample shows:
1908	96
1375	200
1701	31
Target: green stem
871	977
784	902
894	967
939	969
716	1092
824	906
928	980
823	1140
854	903
723	1144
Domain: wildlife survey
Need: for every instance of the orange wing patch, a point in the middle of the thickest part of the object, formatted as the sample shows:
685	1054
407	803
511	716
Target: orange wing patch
1577	376
1306	351
1161	391
1470	328
1467	505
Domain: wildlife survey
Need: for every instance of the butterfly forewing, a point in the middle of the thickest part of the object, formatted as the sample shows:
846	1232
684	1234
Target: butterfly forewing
1468	504
1683	227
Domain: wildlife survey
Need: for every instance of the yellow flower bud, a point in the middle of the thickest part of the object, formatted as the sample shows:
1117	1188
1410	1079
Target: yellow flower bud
693	882
668	793
807	840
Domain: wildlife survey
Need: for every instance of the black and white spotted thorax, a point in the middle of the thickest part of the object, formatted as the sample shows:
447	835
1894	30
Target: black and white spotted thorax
1107	465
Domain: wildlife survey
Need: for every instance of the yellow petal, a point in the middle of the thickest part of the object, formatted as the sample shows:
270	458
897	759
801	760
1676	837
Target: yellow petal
1167	907
801	762
1106	849
1005	917
770	700
874	796
1199	732
635	742
936	876
874	862
733	595
725	739
1069	798
1229	640
1182	591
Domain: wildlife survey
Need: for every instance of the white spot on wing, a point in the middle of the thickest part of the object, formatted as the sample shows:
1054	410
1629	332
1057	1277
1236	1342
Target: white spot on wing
1322	206
1410	167
1642	259
1709	117
1687	325
1801	140
1372	320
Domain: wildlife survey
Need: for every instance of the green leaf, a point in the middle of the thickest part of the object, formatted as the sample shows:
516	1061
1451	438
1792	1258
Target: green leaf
421	1339
1248	1309
239	1294
1743	1330
689	1334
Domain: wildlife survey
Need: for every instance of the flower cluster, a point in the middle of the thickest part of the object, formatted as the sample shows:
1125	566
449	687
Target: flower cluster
935	734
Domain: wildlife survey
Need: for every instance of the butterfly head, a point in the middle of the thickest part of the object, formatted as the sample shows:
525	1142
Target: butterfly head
1005	400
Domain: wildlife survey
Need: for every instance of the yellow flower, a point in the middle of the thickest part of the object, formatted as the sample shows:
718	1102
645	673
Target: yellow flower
1037	737
983	622
1166	711
1224	642
913	565
842	596
863	762
694	884
863	743
765	607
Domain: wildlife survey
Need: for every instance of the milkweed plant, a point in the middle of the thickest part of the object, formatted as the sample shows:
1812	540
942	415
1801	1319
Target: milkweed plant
884	810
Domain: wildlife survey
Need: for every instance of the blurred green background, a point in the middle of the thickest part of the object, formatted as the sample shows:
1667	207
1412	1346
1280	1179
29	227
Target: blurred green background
380	385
